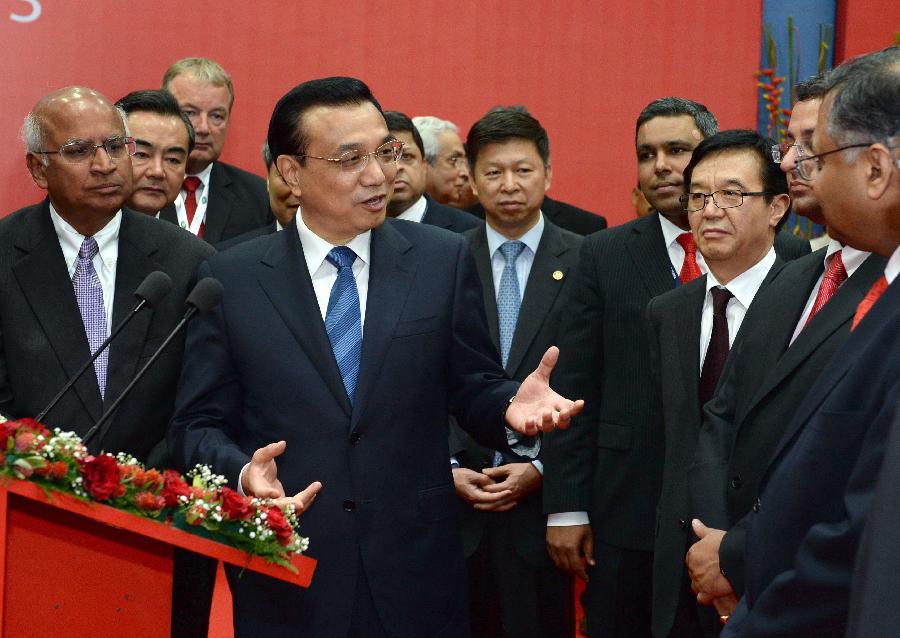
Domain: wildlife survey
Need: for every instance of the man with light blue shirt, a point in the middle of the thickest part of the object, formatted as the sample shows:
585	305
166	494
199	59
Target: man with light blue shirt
524	262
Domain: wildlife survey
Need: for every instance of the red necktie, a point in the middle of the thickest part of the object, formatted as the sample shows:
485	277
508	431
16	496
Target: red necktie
869	300
689	269
190	185
835	275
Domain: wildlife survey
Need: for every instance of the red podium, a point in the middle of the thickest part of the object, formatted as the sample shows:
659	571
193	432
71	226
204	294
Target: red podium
73	568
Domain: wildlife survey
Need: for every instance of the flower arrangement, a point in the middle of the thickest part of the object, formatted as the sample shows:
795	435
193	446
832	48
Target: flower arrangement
59	461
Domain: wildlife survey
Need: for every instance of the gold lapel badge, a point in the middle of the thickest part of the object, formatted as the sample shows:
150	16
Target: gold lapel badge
558	275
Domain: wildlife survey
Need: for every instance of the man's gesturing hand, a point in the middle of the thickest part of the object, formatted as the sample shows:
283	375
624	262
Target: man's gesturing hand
260	479
537	408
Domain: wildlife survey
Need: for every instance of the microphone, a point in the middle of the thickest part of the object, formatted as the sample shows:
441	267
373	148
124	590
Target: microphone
152	290
207	294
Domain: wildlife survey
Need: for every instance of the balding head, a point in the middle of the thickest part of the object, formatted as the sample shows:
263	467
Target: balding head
88	189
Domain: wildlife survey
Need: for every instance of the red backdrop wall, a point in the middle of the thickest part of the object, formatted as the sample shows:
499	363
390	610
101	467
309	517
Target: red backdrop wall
584	68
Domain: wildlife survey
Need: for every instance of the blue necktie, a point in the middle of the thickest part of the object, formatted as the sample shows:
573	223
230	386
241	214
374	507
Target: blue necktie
343	322
508	297
89	294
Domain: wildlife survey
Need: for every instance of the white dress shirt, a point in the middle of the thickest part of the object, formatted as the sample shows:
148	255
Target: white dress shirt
744	288
202	196
531	239
893	267
852	259
671	233
104	261
416	212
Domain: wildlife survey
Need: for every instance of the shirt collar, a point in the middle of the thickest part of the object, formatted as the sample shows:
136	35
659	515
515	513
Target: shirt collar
745	286
203	175
893	266
851	257
416	212
70	240
670	231
315	249
531	238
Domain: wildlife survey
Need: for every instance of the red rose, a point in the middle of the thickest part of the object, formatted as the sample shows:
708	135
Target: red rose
101	477
43	470
24	441
58	470
173	487
149	502
7	429
277	523
235	506
153	480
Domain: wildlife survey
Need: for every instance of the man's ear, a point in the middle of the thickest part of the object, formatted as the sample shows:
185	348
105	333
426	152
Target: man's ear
879	166
778	208
289	168
37	168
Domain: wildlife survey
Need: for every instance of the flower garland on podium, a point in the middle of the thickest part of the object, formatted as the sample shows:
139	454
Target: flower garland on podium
204	506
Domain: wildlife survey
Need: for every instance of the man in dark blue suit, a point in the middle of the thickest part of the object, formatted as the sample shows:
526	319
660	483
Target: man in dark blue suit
347	341
807	522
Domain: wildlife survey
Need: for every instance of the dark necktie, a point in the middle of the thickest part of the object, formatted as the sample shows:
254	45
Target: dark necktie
690	270
89	294
190	186
343	321
717	352
834	276
869	300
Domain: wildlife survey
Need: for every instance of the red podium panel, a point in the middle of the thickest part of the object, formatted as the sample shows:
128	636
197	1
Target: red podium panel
73	568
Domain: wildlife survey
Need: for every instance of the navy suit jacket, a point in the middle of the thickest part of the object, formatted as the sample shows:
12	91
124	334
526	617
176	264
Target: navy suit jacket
448	217
259	368
803	536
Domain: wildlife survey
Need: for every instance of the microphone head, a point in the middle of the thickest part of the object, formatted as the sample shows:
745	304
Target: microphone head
207	294
155	286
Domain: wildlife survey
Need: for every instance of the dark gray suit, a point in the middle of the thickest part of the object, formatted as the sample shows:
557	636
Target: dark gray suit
237	202
535	598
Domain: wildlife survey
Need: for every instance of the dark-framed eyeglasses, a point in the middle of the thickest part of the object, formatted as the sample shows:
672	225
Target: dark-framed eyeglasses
355	160
808	169
78	151
727	198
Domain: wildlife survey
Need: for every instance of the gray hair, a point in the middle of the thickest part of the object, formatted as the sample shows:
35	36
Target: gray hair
267	155
429	128
866	100
33	131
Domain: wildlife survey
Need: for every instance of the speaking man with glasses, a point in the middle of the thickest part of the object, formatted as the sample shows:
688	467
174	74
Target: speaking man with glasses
70	267
328	372
804	533
790	334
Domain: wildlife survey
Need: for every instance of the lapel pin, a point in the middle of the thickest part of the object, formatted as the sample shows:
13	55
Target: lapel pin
558	274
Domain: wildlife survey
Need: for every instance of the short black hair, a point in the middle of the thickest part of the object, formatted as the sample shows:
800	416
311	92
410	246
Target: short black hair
160	102
773	178
397	121
504	123
286	135
811	88
672	107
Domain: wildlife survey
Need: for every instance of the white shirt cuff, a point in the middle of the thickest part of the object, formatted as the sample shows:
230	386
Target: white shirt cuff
240	484
564	519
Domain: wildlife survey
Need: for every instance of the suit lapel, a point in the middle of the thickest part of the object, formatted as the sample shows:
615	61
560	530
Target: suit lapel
431	218
481	253
541	292
44	279
391	274
219	202
285	279
169	214
688	330
647	248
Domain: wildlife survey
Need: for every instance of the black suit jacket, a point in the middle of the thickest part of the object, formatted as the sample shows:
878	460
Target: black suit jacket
237	202
571	218
762	386
802	541
674	323
448	217
536	330
44	343
260	368
250	234
789	247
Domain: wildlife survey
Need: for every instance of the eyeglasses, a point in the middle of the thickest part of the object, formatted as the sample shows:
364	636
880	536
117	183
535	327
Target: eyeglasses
691	202
808	170
78	151
780	151
355	161
455	159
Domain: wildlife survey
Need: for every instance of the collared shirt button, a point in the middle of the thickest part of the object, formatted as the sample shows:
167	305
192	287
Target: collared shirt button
349	505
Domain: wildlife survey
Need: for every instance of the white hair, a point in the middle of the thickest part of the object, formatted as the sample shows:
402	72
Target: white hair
33	133
429	128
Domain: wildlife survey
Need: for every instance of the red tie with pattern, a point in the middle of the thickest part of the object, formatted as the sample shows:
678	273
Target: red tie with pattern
835	275
869	300
689	269
190	185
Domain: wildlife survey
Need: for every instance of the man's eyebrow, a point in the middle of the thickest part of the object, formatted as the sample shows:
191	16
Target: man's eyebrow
177	149
355	146
141	142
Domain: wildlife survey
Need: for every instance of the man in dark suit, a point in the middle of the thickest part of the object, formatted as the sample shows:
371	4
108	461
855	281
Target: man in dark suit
693	328
503	521
409	200
218	201
804	532
781	352
44	337
163	138
602	477
361	411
